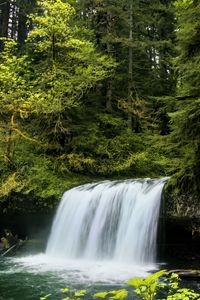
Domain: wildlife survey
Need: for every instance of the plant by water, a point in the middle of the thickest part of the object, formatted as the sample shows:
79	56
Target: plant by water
161	285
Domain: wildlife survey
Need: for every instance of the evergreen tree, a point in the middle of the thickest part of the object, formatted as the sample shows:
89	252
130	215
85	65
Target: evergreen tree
41	91
188	46
66	64
133	32
187	124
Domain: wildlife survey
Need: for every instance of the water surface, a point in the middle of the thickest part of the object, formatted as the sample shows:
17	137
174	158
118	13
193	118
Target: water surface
33	276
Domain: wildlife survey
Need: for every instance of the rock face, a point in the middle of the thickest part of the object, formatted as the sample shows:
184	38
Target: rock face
181	205
180	229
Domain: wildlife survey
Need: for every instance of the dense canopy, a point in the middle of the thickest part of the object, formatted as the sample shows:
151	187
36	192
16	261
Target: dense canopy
94	89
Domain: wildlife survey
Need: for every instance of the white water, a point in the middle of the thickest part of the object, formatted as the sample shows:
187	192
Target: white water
111	222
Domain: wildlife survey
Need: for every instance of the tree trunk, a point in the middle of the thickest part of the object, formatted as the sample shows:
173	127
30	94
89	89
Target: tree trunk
109	51
109	95
4	17
9	142
53	47
13	20
130	67
22	26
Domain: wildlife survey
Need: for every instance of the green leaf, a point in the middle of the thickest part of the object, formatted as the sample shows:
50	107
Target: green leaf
45	297
136	281
80	293
120	294
101	295
64	290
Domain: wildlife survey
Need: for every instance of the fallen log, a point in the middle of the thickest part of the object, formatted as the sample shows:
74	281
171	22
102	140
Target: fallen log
187	274
14	247
9	250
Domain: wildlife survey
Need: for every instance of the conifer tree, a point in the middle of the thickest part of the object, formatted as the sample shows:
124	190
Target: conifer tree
42	91
66	64
137	35
187	122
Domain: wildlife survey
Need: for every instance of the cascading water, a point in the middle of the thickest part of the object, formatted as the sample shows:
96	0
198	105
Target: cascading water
114	221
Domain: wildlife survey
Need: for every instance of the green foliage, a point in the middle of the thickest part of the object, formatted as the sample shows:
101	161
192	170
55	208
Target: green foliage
148	287
183	3
70	294
186	120
184	294
66	63
187	62
161	282
65	95
43	87
10	184
119	294
13	81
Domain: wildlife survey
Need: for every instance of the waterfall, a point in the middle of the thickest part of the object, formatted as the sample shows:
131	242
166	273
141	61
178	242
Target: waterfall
111	220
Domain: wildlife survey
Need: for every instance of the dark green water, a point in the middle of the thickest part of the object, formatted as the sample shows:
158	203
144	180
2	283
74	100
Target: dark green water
18	282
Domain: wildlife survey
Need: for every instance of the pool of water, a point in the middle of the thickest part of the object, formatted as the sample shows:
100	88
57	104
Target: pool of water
33	276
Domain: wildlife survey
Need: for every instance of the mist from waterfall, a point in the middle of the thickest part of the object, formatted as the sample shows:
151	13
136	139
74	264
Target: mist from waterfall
115	221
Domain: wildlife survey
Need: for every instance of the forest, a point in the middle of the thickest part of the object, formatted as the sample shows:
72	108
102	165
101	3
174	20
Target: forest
97	89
